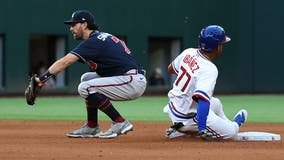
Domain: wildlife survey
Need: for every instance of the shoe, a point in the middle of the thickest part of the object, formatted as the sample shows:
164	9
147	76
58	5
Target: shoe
85	132
173	133
241	117
117	129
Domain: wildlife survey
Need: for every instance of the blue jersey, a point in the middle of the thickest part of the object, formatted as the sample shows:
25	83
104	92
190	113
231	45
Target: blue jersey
106	54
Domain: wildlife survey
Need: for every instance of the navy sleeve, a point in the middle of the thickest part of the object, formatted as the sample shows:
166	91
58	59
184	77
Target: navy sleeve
202	113
82	51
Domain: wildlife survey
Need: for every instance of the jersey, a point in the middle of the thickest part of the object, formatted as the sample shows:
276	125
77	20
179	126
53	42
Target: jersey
196	78
106	54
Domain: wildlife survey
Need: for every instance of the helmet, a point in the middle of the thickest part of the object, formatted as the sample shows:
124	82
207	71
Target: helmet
211	36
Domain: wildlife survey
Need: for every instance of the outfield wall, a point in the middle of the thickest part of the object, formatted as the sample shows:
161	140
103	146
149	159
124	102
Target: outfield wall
251	62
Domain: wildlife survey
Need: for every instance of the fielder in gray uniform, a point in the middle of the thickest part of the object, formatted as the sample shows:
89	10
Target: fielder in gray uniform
115	75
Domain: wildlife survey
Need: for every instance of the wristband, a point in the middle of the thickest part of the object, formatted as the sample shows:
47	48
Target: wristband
45	76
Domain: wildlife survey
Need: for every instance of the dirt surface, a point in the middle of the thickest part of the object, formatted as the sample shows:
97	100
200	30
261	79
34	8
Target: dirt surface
46	140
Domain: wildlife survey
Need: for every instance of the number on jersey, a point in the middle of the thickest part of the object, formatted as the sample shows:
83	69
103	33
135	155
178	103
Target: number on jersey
117	40
185	75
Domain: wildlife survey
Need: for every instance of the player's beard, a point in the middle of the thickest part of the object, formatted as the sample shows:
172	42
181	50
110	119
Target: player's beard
78	35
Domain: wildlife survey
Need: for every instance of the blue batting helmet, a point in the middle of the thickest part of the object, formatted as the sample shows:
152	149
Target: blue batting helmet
211	36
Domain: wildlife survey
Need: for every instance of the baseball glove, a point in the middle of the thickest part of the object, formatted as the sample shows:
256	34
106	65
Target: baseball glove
32	90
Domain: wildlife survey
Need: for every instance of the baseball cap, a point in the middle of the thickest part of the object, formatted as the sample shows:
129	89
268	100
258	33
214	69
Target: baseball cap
81	16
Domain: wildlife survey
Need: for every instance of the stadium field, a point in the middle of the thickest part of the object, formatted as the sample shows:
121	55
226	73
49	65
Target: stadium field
38	132
261	108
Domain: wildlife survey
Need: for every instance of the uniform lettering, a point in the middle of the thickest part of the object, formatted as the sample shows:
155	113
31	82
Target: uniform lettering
103	36
115	39
191	62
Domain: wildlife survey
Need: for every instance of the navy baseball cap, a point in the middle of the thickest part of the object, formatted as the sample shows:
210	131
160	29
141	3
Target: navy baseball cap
81	16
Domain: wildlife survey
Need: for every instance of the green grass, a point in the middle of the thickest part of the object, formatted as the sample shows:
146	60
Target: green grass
261	108
73	108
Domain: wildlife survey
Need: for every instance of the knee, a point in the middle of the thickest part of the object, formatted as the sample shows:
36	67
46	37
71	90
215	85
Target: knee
218	101
84	77
215	102
88	76
83	90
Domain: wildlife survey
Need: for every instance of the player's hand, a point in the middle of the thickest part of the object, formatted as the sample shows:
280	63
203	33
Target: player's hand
39	83
208	136
32	90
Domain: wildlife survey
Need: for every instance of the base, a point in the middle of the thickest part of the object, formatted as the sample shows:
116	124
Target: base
257	136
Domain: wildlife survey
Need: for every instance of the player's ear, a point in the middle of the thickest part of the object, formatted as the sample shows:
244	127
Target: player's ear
85	25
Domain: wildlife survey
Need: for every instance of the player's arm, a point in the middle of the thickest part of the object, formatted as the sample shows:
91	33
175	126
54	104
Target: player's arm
175	64
63	63
202	113
57	67
171	69
202	95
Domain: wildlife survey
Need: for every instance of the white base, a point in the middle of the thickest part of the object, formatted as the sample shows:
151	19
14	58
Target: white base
257	136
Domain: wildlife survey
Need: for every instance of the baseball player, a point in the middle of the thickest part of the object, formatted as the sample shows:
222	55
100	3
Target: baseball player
115	75
191	107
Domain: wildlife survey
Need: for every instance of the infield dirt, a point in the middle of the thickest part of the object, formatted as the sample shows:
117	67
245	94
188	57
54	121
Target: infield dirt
46	140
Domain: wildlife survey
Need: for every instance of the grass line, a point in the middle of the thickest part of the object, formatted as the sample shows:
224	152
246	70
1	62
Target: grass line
261	108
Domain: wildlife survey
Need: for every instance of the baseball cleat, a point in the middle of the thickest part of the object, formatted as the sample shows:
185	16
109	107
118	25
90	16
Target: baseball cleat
117	129
241	117
85	132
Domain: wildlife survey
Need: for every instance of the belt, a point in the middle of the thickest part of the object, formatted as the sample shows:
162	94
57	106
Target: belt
136	71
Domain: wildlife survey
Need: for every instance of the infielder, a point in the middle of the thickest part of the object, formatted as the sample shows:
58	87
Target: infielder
115	75
191	107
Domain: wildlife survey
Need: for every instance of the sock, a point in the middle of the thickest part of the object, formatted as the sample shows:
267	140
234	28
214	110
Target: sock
104	105
92	115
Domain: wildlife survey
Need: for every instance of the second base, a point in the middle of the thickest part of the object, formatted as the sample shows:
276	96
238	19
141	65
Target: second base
257	136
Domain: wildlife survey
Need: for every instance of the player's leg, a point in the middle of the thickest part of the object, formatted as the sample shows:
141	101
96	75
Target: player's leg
92	111
181	124
119	124
219	127
216	125
115	88
89	76
91	128
103	103
217	107
225	127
